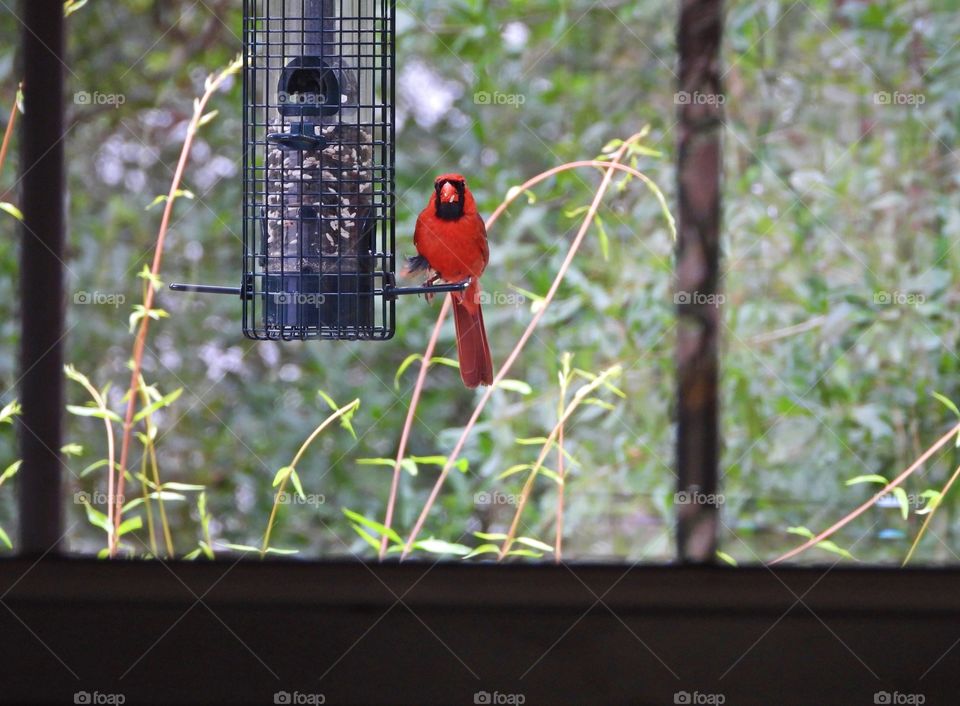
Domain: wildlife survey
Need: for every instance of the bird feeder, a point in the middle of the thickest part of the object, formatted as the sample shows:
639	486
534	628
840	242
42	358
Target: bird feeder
318	172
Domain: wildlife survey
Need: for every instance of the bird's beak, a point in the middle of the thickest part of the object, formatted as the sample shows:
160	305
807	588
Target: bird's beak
448	193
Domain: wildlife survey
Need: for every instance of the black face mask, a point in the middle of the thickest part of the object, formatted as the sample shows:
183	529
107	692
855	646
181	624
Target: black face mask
451	211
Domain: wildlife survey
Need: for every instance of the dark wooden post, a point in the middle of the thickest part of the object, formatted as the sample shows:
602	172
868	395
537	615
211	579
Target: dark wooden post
700	106
41	277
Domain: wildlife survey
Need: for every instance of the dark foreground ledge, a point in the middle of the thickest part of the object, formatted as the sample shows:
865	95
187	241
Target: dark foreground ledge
78	631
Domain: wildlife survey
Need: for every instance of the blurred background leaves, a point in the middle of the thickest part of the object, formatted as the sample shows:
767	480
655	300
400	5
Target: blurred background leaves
841	222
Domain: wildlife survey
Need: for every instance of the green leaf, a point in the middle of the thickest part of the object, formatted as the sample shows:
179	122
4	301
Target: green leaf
10	411
163	495
871	478
603	237
529	553
407	362
207	118
726	558
532	441
408	464
947	402
130	525
12	210
73	374
377	527
901	495
534	544
366	536
612	146
97	518
536	300
282	475
597	402
95	465
933	501
514	191
5	539
183	486
826	544
461	464
246	548
163	198
147	274
140	312
483	549
515	386
10	472
552	475
800	531
239	547
297	486
346	416
96	412
72	450
71	6
439	546
490	536
513	470
165	401
574	212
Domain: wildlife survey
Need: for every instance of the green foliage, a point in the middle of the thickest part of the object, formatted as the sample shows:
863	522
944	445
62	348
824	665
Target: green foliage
840	226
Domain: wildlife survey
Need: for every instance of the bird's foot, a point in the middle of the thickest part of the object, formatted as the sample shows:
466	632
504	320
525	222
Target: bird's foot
429	283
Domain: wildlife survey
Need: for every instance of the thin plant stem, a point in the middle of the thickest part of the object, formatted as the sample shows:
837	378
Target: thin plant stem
112	536
561	472
926	522
408	424
545	451
7	137
148	506
164	522
296	460
150	451
610	168
199	112
923	458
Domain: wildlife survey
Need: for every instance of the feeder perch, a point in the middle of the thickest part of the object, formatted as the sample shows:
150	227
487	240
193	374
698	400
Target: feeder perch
318	177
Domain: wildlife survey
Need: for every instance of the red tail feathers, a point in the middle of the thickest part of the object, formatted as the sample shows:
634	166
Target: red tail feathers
476	365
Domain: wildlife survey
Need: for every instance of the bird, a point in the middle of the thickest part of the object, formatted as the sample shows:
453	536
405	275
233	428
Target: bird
451	240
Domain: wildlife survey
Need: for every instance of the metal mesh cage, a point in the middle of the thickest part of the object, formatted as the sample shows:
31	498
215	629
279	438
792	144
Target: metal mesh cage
318	226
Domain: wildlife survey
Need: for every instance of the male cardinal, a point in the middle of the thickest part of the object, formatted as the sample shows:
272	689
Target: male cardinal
451	240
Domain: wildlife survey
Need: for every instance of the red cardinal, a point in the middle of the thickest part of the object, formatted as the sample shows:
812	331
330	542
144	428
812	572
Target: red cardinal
452	241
